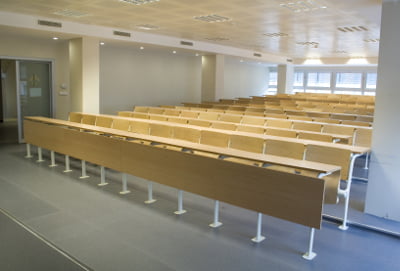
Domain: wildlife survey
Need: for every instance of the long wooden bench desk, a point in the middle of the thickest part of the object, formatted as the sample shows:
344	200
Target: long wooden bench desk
293	197
330	153
361	135
285	132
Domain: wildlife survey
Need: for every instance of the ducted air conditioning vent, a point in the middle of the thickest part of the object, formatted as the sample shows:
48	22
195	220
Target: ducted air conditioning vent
257	54
187	43
49	23
122	34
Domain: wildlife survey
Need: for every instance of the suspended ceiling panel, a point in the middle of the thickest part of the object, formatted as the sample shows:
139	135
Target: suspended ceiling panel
298	29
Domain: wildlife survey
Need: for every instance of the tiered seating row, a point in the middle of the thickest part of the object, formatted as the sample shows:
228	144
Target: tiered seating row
285	111
360	136
250	187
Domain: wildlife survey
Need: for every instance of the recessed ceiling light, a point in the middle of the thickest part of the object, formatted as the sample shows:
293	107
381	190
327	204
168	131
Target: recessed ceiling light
197	54
141	48
213	18
174	52
55	38
147	26
303	6
313	61
102	43
139	2
358	61
241	60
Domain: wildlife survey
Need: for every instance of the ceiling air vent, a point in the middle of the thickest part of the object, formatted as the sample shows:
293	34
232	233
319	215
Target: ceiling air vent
213	18
313	44
289	60
347	29
187	43
217	38
371	40
275	35
303	6
257	54
122	34
138	2
49	23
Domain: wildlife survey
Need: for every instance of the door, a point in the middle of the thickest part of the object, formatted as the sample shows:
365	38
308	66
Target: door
33	91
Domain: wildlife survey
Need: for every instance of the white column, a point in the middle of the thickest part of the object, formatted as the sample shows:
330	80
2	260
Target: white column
384	183
85	74
212	77
285	78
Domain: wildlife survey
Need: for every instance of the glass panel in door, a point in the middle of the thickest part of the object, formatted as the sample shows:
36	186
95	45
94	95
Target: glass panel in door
34	91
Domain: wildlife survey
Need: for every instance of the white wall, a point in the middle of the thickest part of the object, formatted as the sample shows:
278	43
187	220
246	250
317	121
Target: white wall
244	79
16	46
131	77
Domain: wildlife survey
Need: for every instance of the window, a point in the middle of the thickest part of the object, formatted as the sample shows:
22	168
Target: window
273	78
319	79
348	80
350	92
371	81
326	91
298	79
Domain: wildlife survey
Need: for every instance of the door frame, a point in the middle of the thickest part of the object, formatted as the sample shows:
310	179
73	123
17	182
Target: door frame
52	87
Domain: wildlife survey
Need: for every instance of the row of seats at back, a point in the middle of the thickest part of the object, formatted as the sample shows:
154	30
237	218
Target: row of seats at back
361	136
254	144
235	116
276	127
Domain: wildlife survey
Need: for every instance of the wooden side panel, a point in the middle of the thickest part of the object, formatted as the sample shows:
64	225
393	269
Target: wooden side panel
288	196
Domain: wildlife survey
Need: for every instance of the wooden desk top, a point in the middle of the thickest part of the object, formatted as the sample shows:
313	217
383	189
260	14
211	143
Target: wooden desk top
266	158
353	149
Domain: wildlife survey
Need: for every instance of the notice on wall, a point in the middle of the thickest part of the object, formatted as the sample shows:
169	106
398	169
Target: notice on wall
35	92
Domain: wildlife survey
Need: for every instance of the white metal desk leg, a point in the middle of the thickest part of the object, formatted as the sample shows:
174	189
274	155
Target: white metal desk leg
150	194
124	185
102	177
52	159
216	223
346	192
67	168
366	160
40	157
259	238
28	151
84	176
310	255
180	204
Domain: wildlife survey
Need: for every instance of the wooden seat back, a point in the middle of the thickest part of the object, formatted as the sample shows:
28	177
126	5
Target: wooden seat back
279	123
284	148
75	117
160	130
224	126
251	129
143	109
139	127
156	110
104	121
253	120
313	136
186	133
208	115
158	117
337	129
247	143
212	138
280	132
189	114
230	118
202	123
172	112
329	155
121	124
307	126
88	119
363	137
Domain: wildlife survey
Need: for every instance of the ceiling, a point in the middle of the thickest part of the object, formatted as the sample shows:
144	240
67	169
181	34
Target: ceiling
296	29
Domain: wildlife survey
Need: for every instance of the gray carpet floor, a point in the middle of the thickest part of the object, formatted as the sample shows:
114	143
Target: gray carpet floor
108	231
